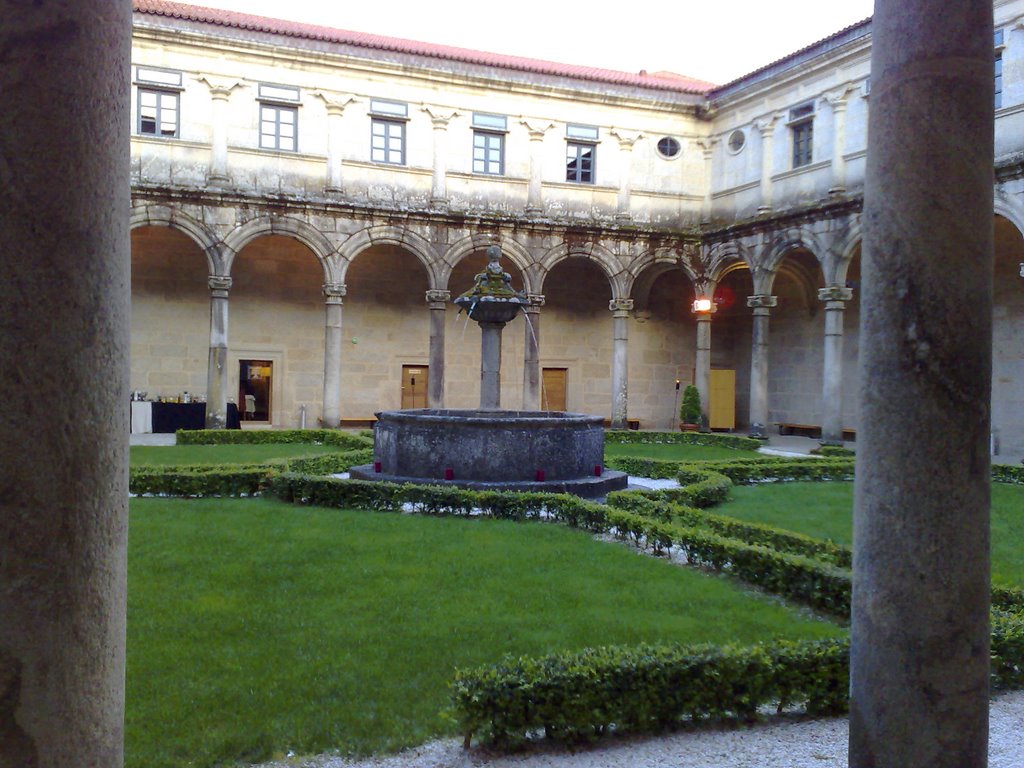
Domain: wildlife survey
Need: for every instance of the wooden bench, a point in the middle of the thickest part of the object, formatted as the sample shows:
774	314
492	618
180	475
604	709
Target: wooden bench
633	423
358	423
811	430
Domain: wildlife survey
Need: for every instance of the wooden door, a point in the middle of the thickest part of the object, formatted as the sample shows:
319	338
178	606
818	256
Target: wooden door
414	386
722	399
554	389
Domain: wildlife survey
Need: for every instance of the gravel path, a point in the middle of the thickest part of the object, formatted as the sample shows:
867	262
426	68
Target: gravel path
776	743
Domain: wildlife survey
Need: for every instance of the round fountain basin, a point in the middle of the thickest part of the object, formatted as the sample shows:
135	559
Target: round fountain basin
513	450
491	309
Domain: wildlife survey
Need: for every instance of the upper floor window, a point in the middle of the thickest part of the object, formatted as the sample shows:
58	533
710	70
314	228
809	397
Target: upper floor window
801	124
669	147
998	41
387	131
159	92
489	143
279	117
581	153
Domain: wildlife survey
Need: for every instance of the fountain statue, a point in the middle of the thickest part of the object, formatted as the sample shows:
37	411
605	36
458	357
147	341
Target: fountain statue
490	448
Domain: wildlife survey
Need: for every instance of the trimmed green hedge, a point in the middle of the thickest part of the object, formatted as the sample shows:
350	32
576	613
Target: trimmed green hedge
751	533
832	450
781	470
583	695
681	438
1008	473
265	436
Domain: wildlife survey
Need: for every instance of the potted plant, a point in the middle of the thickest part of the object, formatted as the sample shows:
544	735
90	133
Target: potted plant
689	411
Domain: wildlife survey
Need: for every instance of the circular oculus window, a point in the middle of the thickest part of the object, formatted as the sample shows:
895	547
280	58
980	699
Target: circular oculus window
737	139
669	147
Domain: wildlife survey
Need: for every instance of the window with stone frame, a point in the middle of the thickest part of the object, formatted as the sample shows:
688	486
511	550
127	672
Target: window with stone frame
279	117
158	102
998	42
801	126
489	143
581	153
387	131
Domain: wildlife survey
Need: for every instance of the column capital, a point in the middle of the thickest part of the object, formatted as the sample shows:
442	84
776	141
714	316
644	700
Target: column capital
219	285
536	128
626	138
762	301
220	87
334	292
837	98
620	305
835	293
335	104
438	296
536	301
766	124
439	116
707	144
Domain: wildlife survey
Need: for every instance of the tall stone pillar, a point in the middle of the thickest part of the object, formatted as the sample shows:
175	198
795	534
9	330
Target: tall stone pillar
217	364
835	298
334	294
531	353
702	364
620	309
64	311
490	366
220	92
707	146
761	305
837	100
920	644
440	118
626	141
534	197
334	183
437	302
766	126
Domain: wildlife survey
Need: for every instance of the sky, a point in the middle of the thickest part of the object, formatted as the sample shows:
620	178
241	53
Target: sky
714	41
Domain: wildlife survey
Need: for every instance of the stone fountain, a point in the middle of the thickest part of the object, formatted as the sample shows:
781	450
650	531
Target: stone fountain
490	448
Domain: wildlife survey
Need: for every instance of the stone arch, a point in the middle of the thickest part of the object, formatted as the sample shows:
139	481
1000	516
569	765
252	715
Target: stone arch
396	236
774	261
642	273
591	251
166	216
790	240
514	251
724	257
844	250
287	226
1010	209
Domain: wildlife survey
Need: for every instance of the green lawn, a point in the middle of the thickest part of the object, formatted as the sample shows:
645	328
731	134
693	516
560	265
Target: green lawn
825	511
223	454
255	627
674	452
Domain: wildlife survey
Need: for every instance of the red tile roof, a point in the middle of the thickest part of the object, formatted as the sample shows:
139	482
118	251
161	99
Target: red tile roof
666	81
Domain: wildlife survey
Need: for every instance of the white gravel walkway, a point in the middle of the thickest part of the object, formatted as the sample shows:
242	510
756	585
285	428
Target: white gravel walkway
776	743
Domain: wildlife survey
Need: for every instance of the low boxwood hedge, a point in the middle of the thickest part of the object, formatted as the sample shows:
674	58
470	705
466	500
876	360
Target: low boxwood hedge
266	436
681	438
582	695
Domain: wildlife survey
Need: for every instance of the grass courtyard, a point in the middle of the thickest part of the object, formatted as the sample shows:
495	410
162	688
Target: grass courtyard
256	627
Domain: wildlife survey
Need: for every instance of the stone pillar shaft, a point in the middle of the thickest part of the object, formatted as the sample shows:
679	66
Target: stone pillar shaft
835	298
702	363
437	301
531	354
335	140
920	643
64	308
767	129
620	362
761	306
838	147
333	299
217	365
490	366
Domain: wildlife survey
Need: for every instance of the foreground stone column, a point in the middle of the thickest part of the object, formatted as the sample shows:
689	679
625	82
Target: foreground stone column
835	298
702	362
761	304
217	364
437	302
920	646
334	295
64	311
490	366
531	353
620	361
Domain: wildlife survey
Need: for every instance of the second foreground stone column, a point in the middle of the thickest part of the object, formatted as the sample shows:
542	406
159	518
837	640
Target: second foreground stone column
920	645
